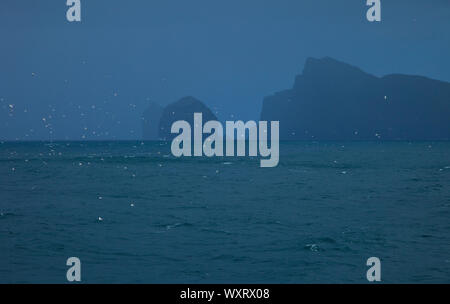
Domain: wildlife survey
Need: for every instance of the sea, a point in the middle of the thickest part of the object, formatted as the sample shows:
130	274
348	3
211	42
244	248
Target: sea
133	213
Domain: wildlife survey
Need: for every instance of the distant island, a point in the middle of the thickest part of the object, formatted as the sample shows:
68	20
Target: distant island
157	121
333	100
151	118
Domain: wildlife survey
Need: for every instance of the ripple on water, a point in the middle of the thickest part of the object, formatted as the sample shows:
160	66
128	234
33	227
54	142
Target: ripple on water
6	215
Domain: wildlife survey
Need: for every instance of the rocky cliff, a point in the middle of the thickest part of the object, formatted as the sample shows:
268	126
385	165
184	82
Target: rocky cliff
332	100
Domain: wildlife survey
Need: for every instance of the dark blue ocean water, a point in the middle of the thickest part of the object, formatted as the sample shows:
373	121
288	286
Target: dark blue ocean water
315	218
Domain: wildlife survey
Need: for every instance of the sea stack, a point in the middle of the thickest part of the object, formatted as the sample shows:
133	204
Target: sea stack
150	121
182	109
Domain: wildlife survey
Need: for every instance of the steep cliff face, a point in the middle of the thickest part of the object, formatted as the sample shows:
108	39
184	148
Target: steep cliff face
150	121
332	100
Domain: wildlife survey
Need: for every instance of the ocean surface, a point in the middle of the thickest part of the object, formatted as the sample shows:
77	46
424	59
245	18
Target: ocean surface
133	213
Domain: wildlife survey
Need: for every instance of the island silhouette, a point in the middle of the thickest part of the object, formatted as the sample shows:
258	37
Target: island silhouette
157	121
333	100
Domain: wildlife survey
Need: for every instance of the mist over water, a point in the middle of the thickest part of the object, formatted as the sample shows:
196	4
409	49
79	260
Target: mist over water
88	106
316	217
93	80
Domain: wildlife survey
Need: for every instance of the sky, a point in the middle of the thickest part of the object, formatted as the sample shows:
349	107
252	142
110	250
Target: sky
92	80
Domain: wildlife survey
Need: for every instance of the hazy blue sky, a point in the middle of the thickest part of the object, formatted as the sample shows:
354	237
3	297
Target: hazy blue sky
94	78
